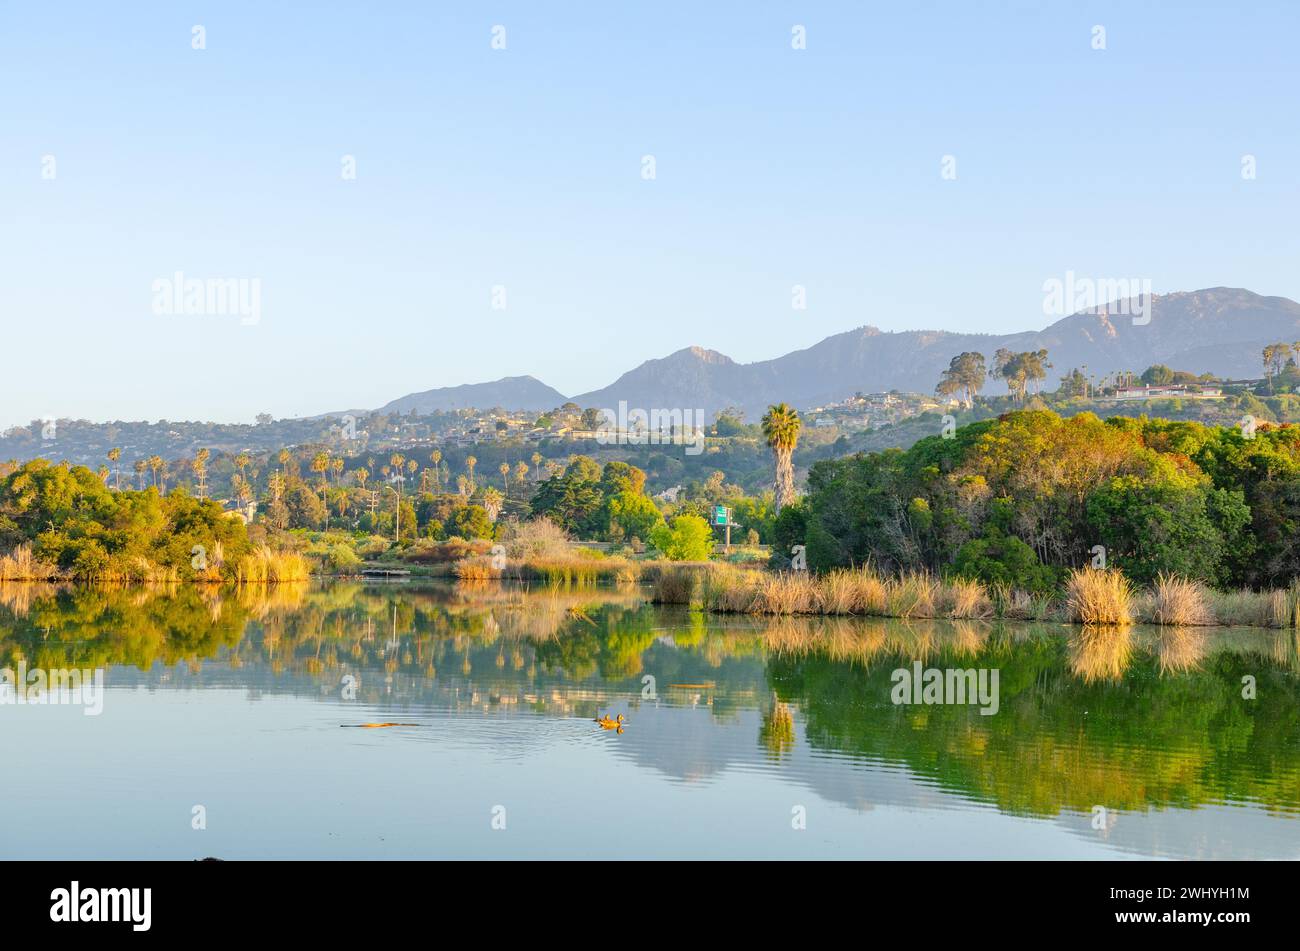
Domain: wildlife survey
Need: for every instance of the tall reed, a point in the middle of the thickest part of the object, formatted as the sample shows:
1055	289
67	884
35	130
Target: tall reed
1096	596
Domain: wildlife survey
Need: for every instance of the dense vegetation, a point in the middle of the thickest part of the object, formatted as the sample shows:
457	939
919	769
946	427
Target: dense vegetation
68	519
1021	498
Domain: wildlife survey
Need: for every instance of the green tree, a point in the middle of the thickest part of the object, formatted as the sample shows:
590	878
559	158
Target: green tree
685	538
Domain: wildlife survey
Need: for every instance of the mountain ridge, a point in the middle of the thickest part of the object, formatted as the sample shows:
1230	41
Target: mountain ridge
1219	330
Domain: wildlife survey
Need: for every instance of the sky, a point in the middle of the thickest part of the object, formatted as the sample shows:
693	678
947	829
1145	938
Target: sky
517	176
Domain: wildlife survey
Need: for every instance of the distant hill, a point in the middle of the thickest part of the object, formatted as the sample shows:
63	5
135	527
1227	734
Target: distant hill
1219	330
510	392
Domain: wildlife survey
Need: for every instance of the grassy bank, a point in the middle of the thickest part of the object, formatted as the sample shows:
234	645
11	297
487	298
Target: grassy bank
260	566
1090	597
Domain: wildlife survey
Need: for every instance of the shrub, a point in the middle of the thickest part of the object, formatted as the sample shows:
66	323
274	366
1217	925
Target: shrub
539	538
689	538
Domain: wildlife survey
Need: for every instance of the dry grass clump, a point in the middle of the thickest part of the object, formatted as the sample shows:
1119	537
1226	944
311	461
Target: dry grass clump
965	599
264	566
852	591
1100	597
729	590
793	592
911	594
541	538
22	565
479	568
1177	602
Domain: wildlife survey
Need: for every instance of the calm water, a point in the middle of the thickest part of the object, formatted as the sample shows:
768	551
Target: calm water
239	704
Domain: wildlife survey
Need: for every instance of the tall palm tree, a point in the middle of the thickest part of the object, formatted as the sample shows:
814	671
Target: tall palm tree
504	469
320	464
781	425
470	463
155	463
537	461
436	458
114	455
201	471
140	466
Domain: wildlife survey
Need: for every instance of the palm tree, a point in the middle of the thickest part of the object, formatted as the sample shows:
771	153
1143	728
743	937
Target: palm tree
470	463
492	500
781	425
155	463
361	476
436	458
140	466
320	464
201	471
504	469
114	455
537	461
521	473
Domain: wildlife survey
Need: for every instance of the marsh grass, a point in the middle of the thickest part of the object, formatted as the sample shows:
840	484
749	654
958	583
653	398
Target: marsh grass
853	591
264	566
787	592
965	599
912	594
1176	602
1098	597
570	570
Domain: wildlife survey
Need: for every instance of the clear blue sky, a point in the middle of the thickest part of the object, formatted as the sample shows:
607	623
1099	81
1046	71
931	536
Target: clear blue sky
522	168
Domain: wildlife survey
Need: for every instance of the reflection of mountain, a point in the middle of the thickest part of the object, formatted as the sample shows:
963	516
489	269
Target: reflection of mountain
1164	741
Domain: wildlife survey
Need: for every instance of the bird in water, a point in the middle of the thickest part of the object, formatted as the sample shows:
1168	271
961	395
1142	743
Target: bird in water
611	723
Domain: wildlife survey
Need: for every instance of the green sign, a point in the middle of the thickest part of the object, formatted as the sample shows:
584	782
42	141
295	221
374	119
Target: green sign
719	515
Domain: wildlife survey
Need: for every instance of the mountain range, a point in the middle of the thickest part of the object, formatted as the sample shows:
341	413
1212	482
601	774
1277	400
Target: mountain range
1218	330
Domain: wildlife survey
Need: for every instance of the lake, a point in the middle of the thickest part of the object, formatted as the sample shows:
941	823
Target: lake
233	725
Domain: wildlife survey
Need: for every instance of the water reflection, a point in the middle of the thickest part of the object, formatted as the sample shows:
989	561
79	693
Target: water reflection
1148	722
